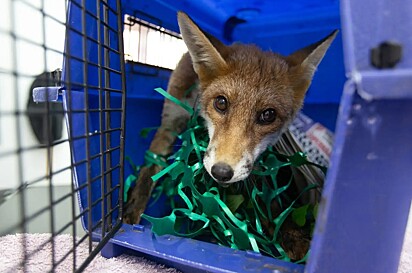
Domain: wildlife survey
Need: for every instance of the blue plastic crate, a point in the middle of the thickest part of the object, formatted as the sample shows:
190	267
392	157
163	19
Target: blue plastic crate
368	190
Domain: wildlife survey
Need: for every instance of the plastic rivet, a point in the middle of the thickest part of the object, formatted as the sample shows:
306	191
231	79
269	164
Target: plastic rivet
386	55
372	120
357	107
139	228
371	156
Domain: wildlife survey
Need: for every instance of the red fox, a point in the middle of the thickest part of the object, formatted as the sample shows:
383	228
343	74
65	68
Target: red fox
247	97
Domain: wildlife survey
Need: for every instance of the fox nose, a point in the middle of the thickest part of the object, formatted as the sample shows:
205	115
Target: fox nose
222	172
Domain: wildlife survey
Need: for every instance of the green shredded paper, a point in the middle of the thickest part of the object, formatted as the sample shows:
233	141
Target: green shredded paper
248	215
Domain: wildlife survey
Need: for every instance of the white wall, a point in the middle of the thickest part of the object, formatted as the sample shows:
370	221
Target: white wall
28	60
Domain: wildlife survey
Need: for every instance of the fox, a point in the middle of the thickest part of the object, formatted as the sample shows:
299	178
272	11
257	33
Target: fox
248	97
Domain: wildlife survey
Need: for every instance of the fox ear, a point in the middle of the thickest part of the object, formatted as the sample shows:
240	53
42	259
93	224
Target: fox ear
305	61
207	61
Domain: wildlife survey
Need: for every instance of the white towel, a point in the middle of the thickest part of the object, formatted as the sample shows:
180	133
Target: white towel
11	255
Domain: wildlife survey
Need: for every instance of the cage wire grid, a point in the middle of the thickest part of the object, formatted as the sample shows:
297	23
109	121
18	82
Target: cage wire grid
108	158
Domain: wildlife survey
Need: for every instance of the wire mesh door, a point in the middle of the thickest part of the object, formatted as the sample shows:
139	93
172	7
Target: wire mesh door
61	131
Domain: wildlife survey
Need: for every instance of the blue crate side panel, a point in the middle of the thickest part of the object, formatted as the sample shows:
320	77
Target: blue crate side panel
324	113
143	111
384	21
364	211
142	79
366	200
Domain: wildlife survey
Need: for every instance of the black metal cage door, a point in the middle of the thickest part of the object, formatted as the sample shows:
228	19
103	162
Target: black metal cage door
61	130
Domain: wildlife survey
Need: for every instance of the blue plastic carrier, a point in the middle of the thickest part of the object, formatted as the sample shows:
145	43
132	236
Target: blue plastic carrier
368	192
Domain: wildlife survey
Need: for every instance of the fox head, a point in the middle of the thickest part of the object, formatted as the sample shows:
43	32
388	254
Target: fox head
248	97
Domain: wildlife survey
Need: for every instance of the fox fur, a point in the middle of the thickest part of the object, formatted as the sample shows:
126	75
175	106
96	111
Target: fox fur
260	93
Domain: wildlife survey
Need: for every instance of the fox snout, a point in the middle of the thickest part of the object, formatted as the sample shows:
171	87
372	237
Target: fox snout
232	150
230	158
227	171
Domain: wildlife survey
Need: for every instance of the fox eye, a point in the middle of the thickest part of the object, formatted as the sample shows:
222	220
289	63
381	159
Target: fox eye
220	104
267	116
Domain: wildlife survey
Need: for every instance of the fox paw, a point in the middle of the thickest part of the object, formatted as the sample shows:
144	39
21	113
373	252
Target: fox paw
132	213
140	195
